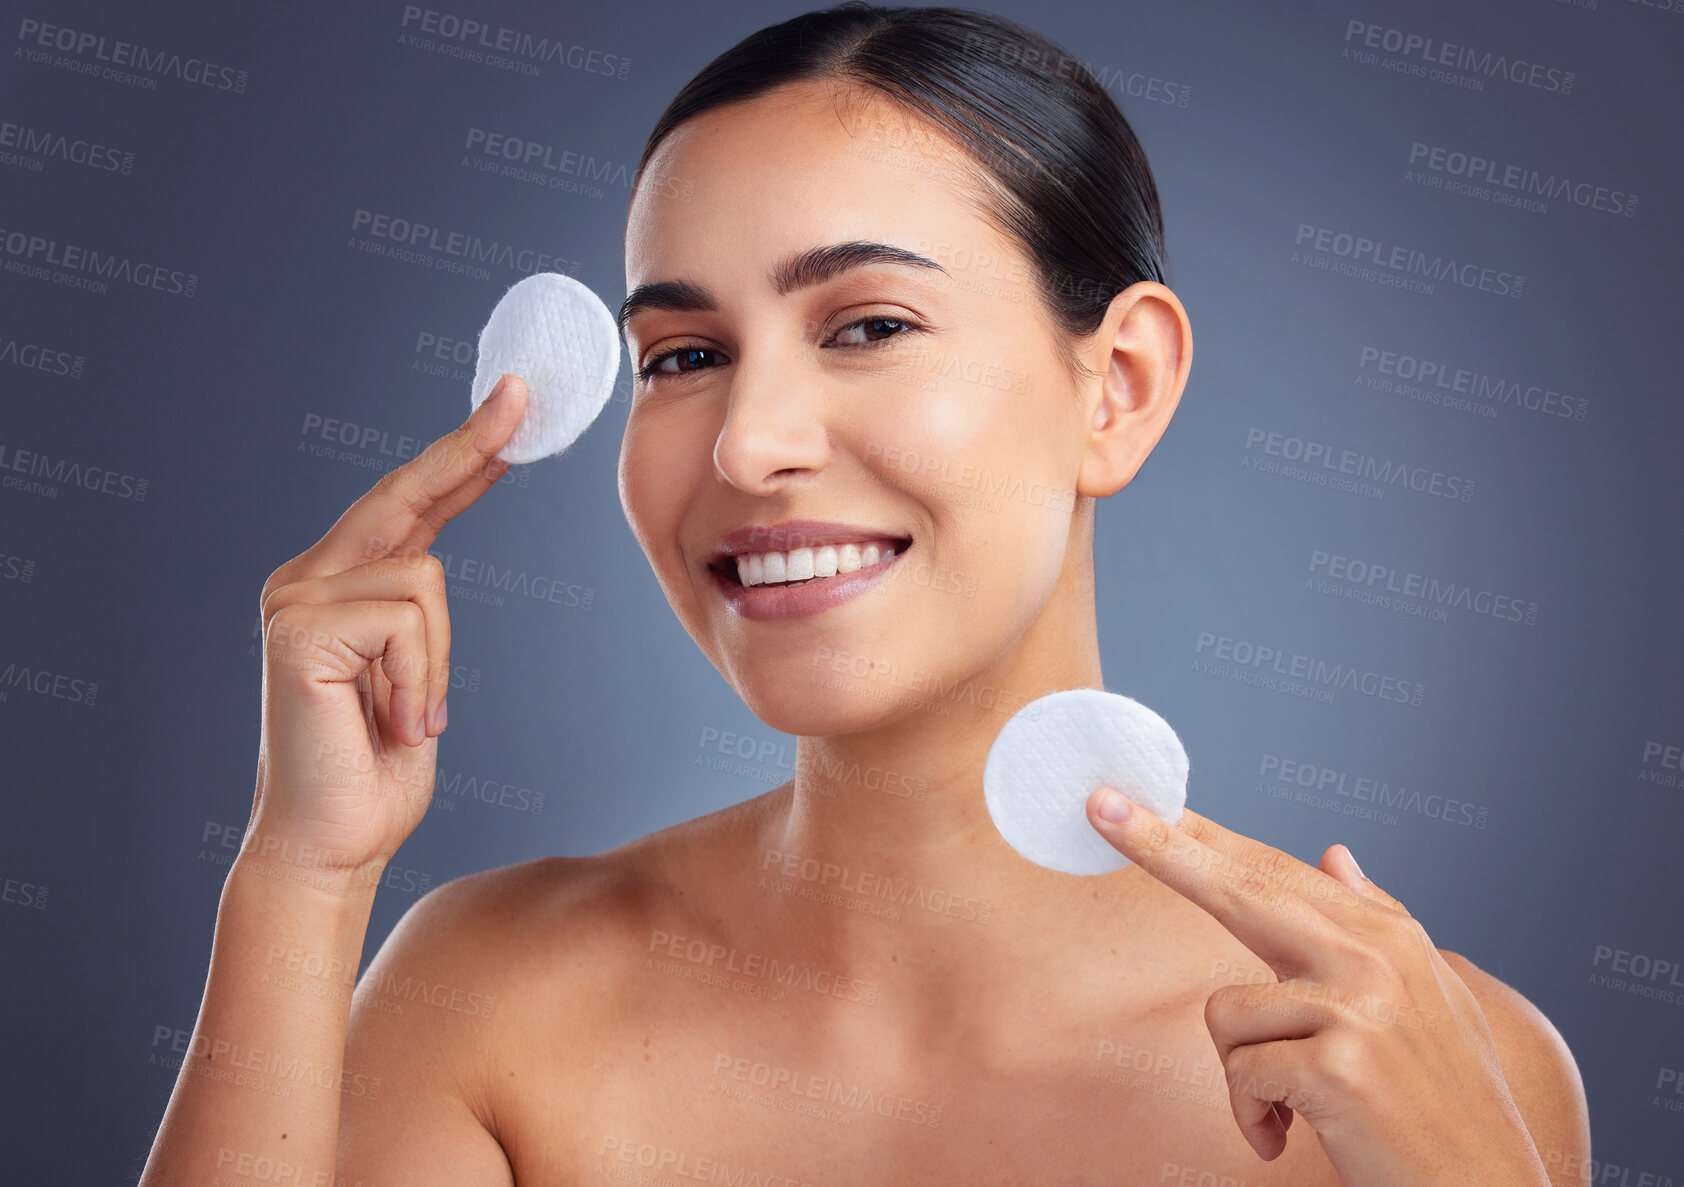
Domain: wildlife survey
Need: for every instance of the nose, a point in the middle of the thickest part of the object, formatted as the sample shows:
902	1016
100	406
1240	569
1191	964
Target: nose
774	433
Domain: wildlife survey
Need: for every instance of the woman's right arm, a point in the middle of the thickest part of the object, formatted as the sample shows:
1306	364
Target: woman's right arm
356	667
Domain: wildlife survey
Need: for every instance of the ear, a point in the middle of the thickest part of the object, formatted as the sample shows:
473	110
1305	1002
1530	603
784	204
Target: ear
1142	352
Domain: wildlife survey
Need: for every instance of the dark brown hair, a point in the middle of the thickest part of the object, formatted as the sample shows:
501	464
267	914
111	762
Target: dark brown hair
1063	172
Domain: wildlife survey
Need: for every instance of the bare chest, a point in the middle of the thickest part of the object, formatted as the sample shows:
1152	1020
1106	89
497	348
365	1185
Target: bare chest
745	1094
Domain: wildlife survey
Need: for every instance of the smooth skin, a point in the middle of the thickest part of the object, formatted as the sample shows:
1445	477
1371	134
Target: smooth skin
850	978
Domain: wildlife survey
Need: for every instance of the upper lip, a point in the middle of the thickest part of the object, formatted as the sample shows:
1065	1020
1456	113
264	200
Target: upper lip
795	533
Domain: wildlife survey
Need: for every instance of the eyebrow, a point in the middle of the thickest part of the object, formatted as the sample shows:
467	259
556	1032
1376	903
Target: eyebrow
816	265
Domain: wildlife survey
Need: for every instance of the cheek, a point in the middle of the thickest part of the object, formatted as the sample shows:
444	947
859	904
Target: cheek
653	467
935	431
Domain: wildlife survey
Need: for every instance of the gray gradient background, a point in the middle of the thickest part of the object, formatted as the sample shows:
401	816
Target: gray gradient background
115	808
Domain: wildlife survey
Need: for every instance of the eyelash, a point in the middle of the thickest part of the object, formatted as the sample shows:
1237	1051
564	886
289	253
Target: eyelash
649	370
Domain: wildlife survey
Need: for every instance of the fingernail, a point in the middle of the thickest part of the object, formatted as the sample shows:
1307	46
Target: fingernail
440	715
1354	864
1113	806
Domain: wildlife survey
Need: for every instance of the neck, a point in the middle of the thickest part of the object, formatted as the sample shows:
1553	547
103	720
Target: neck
885	837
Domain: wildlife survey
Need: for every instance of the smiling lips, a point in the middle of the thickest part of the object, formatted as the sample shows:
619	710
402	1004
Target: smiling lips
801	565
813	551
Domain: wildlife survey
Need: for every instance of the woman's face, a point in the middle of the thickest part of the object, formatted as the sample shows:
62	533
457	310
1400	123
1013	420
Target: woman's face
944	418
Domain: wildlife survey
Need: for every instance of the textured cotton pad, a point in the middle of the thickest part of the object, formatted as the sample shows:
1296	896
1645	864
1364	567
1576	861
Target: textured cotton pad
1051	756
559	337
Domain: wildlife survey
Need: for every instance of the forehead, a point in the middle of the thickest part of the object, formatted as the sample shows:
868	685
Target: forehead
803	165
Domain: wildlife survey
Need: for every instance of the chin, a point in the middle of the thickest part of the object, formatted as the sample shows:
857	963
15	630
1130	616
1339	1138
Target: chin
801	705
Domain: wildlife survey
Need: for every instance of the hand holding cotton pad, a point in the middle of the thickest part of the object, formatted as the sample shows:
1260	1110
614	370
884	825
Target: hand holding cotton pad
1053	753
558	336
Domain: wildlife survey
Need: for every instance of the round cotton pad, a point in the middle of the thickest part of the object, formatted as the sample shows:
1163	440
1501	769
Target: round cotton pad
1055	751
559	337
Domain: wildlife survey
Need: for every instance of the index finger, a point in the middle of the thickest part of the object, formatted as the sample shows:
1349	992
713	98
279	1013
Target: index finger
1237	880
405	510
1300	877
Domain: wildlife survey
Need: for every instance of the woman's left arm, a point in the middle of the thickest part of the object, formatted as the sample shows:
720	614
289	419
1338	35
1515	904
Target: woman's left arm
1414	1067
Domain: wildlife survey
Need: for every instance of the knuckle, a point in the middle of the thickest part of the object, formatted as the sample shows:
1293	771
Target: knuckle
1247	882
1274	865
413	618
286	619
432	575
1342	1060
270	604
279	578
1219	1005
287	632
1402	933
1238	1071
1154	839
1371	962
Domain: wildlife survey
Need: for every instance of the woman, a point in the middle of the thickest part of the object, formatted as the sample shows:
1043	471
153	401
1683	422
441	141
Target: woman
898	319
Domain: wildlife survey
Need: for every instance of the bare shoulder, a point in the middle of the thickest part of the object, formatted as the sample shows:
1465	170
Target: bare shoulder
498	990
516	926
1540	1070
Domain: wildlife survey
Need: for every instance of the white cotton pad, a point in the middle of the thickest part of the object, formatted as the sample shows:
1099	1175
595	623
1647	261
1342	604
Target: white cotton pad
559	337
1051	756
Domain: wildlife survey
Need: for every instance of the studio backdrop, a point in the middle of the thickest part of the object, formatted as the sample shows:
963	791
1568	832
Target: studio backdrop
1404	572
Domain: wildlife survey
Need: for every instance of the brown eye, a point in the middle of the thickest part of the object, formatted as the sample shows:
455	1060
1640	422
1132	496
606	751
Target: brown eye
685	354
875	324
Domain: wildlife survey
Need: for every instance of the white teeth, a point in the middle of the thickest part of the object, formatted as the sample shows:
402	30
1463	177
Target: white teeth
808	564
